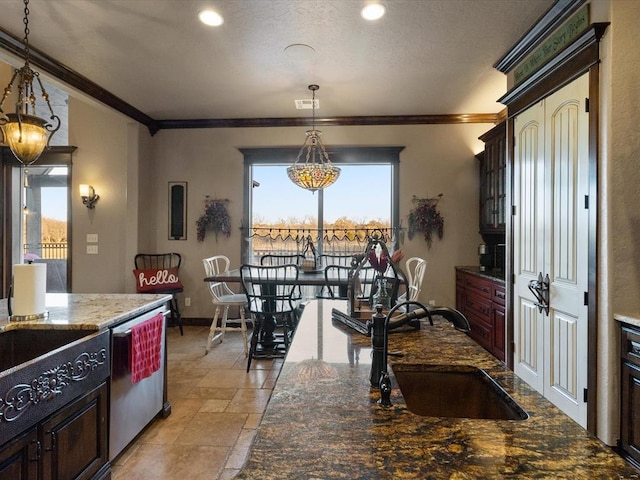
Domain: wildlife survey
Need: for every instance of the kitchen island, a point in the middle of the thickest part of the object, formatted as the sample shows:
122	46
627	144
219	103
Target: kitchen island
323	420
68	404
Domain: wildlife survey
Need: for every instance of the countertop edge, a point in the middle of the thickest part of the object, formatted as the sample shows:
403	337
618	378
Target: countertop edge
84	311
631	319
474	270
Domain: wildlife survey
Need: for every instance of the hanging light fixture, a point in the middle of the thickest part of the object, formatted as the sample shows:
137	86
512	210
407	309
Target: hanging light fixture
317	171
27	134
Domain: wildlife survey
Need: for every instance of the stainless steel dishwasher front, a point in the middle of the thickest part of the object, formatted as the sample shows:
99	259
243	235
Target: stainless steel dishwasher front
132	405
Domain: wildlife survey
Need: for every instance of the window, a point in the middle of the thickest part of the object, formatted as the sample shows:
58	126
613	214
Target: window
280	216
41	221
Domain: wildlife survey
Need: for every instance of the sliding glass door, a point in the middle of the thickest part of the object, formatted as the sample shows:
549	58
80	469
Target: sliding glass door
281	217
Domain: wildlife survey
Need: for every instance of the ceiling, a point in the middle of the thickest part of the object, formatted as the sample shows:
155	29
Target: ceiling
424	57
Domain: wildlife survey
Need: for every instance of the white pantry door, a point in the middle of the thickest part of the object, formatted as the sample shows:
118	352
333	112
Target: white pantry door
551	175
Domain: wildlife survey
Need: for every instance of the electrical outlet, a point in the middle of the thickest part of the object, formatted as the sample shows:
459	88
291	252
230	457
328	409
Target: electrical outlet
187	301
432	302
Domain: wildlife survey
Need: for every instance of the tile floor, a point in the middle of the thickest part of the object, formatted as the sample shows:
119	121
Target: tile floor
216	407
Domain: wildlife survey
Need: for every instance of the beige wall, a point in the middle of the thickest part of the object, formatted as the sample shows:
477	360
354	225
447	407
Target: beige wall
107	158
437	159
619	197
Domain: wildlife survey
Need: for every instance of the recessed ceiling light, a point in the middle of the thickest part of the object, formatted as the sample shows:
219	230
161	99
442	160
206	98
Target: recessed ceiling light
211	18
372	11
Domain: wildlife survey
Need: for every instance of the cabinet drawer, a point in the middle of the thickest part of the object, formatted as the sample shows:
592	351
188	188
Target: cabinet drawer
460	278
481	286
631	345
480	331
498	294
479	305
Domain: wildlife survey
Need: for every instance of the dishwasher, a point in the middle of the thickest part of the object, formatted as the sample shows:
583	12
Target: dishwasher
132	405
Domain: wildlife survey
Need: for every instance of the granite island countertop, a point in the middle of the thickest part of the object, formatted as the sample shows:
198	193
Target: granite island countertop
85	311
323	420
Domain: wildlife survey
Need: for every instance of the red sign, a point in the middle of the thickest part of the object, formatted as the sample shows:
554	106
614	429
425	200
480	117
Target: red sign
157	280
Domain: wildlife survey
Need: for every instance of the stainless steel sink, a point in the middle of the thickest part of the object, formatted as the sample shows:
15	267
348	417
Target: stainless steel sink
459	391
43	370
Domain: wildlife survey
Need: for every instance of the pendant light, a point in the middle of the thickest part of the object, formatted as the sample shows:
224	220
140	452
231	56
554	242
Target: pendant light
26	134
316	171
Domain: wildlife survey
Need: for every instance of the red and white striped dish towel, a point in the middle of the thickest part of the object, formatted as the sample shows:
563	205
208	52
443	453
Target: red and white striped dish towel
145	350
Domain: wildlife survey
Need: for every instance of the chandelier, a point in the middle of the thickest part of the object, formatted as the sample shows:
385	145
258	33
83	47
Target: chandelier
26	134
316	171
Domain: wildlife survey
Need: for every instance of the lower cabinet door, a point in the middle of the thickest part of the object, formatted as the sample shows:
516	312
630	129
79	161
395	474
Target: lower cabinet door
630	410
75	439
19	458
499	323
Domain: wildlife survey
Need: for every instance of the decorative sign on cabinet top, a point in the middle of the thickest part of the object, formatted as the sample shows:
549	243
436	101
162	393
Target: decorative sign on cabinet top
562	37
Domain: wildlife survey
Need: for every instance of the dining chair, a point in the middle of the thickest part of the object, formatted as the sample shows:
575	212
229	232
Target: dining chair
273	304
223	298
331	274
287	259
164	261
271	259
415	268
327	259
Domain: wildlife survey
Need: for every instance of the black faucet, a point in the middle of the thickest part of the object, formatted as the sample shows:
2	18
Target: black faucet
380	326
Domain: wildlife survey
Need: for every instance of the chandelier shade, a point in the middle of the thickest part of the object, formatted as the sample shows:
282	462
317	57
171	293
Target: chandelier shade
316	171
26	134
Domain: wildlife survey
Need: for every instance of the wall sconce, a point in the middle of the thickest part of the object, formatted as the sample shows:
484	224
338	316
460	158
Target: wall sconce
89	197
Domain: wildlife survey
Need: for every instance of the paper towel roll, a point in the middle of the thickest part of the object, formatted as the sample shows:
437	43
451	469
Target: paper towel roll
29	289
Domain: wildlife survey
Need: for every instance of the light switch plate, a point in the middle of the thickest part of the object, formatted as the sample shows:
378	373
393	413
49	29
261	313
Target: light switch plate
92	238
92	249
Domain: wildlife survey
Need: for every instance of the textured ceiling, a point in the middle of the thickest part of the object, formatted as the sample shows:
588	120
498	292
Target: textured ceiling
424	57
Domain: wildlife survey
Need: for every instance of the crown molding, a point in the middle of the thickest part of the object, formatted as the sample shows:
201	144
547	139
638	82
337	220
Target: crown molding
72	78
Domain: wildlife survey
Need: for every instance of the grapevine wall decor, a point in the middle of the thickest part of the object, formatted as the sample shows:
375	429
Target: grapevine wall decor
426	218
215	217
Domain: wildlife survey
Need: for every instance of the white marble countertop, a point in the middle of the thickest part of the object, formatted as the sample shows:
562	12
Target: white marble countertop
85	311
630	318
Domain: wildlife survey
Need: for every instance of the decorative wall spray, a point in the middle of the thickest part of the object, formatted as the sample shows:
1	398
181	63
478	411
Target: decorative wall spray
426	218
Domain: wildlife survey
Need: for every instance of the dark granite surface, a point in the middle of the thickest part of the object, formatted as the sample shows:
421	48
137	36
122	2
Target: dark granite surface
323	420
490	274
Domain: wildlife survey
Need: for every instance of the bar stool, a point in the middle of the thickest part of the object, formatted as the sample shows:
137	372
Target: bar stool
223	298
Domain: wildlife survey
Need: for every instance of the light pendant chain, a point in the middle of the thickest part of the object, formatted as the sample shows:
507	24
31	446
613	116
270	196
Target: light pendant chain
25	20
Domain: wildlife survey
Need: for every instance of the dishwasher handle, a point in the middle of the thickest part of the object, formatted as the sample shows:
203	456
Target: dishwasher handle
127	332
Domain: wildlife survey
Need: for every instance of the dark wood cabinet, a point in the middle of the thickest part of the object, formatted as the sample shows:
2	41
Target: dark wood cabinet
19	458
481	299
71	444
630	398
493	193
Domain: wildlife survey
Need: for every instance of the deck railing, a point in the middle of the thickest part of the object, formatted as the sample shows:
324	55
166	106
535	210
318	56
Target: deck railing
333	241
56	250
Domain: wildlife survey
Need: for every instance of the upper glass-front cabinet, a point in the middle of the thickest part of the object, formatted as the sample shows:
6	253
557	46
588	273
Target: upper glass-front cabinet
493	193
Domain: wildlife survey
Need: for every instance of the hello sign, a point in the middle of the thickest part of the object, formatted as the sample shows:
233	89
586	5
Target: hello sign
157	280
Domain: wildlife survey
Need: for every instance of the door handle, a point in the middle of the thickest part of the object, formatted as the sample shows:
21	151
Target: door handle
540	290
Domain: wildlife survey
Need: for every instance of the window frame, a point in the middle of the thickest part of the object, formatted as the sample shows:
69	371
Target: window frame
286	156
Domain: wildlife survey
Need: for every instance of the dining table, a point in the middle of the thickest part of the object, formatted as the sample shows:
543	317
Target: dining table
315	278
